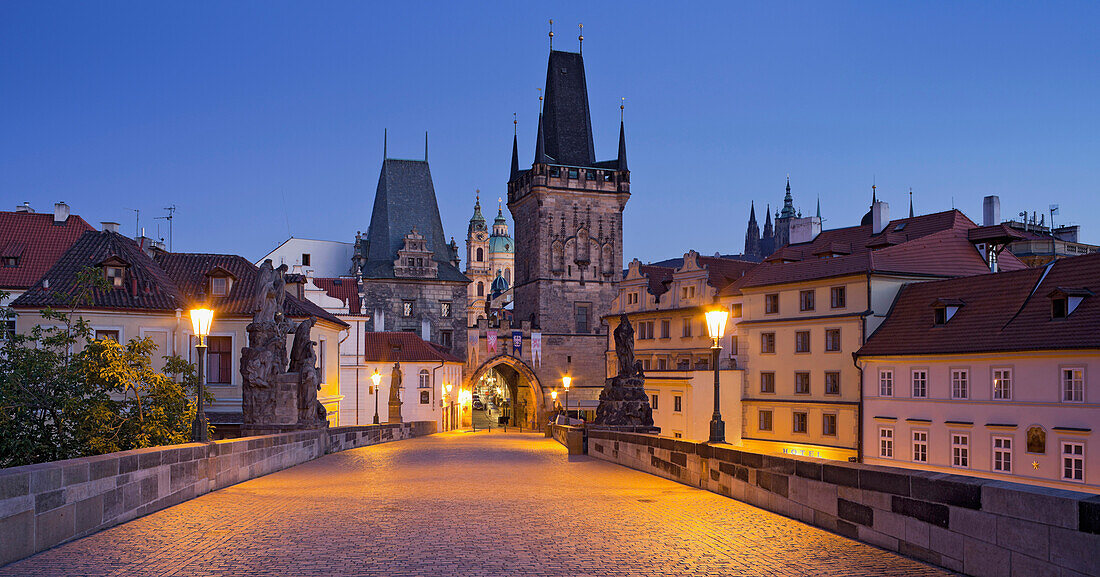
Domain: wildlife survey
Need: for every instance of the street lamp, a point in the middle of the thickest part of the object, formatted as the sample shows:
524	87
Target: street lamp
554	396
448	403
716	325
567	380
376	377
201	319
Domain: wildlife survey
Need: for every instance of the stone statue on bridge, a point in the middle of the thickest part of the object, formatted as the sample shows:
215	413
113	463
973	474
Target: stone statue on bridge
624	403
395	394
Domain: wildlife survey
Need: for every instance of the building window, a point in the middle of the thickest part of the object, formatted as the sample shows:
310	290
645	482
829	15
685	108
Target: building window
832	340
305	259
798	422
920	384
322	349
1073	385
1002	454
960	450
828	424
802	383
677	403
219	286
654	401
802	341
733	345
7	329
106	334
645	330
114	275
445	309
425	381
1058	308
687	292
832	383
480	289
920	446
806	300
960	384
665	329
573	173
886	442
662	364
765	420
11	261
767	342
631	298
771	304
580	317
767	382
1073	461
837	298
886	383
406	308
219	360
686	333
645	364
480	255
425	398
446	339
1002	384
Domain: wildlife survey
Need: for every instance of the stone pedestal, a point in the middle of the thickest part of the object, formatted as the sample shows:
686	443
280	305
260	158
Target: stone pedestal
624	402
286	400
395	412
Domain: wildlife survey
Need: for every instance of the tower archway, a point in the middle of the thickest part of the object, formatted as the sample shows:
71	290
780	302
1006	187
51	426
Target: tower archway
519	385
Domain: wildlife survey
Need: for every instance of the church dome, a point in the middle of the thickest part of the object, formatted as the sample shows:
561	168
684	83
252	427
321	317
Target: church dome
867	219
477	221
501	243
500	285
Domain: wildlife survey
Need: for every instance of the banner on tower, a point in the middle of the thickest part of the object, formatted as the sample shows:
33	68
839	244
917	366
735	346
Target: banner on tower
491	341
536	349
517	344
473	339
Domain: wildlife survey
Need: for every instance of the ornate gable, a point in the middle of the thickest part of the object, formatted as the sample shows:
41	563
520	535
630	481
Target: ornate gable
414	259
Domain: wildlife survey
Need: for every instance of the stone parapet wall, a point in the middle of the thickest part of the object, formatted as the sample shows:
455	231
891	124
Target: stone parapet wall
968	524
569	436
46	504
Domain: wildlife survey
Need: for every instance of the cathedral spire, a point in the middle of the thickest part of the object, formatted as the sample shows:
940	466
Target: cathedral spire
788	202
622	146
515	150
768	232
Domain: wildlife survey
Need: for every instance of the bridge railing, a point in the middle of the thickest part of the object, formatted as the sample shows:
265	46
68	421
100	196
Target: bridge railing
969	524
45	504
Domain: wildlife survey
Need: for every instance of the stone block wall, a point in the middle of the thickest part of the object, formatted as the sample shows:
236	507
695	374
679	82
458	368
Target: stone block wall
46	504
968	524
570	437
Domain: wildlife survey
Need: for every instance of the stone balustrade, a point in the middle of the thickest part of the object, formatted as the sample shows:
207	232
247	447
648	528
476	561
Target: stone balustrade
46	504
570	436
969	524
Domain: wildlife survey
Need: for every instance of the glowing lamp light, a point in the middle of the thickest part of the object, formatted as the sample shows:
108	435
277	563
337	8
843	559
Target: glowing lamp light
566	380
554	395
376	377
716	322
201	319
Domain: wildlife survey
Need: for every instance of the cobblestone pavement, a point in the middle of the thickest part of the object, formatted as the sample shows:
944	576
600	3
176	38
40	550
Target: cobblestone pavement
464	504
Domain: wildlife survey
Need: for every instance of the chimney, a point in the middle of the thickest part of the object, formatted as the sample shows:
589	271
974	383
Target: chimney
109	226
880	216
804	229
25	207
991	210
60	213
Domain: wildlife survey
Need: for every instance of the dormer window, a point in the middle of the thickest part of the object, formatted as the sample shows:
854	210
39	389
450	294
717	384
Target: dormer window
219	287
11	261
114	275
1063	301
219	282
944	309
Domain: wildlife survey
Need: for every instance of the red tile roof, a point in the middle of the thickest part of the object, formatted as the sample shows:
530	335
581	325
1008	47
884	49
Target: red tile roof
37	241
403	347
344	288
170	281
932	244
1009	311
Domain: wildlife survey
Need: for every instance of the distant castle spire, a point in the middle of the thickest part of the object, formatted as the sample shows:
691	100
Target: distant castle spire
752	234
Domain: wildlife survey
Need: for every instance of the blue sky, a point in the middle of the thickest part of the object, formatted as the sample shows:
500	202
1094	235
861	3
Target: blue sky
250	116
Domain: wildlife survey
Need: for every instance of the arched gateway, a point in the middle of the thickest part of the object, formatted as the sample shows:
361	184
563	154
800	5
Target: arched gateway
527	403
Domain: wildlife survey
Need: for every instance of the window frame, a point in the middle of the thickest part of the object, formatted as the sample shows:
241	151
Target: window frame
842	293
886	442
446	309
678	403
770	300
998	454
806	300
797	378
798	417
960	450
408	307
771	379
913	383
825	419
655	401
760	420
886	382
767	343
1078	458
837	389
998	391
921	443
802	343
832	331
1062	370
965	382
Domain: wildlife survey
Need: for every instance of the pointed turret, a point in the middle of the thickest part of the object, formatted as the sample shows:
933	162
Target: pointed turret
819	208
477	221
515	158
752	234
540	145
788	202
768	232
622	147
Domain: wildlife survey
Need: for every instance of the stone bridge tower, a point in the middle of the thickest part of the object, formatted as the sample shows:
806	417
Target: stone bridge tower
568	210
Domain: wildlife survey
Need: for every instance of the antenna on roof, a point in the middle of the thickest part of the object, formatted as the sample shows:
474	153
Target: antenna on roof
551	34
137	221
580	39
171	210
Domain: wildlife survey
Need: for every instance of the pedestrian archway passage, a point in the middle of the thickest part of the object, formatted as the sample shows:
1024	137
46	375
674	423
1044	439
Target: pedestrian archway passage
509	393
460	503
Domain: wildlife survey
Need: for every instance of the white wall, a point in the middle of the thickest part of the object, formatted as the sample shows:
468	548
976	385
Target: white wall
697	407
328	258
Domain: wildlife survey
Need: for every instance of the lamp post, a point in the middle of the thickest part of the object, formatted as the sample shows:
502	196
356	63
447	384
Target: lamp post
554	396
448	402
716	325
566	381
201	319
376	377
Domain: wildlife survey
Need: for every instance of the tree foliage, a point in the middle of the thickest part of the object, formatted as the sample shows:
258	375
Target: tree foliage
60	403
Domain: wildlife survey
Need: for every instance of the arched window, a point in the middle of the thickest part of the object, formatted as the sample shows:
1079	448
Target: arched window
423	397
425	379
480	289
508	275
480	255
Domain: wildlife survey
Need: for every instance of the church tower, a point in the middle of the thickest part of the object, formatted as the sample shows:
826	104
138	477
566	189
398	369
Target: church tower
752	235
567	208
478	267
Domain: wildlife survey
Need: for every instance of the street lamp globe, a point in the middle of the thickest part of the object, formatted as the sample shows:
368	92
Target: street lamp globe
201	319
566	380
716	322
376	377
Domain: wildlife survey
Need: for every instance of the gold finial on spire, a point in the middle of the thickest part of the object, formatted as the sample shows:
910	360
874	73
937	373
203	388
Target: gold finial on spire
500	203
580	39
622	107
515	124
477	195
551	34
